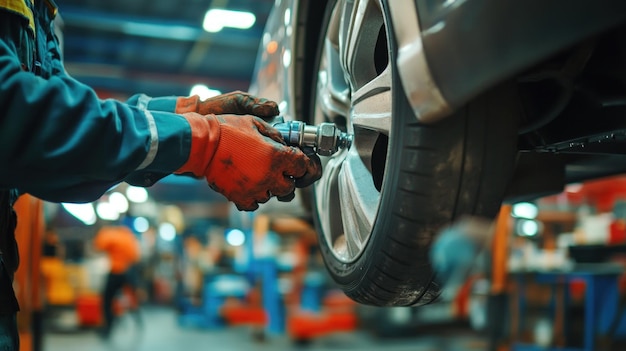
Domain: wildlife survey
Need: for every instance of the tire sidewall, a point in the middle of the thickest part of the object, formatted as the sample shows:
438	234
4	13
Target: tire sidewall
350	274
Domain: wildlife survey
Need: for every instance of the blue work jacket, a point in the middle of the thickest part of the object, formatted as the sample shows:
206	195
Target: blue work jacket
58	140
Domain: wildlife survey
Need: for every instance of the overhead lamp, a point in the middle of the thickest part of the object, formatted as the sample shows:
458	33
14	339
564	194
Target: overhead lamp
107	211
216	19
136	194
83	212
203	91
119	201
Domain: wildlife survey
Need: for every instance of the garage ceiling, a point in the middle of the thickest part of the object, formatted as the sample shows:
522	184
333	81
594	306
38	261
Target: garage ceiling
158	47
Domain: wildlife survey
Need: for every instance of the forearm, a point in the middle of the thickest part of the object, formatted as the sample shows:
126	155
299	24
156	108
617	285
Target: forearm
235	102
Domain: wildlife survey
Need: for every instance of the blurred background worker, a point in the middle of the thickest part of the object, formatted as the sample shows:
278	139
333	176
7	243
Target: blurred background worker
62	143
123	250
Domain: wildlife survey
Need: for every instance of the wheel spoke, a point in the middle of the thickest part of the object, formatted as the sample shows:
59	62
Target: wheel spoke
327	197
361	23
332	90
371	105
359	200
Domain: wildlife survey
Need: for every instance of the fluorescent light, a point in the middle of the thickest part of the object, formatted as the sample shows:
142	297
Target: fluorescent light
216	19
203	91
107	211
119	201
136	194
159	30
84	212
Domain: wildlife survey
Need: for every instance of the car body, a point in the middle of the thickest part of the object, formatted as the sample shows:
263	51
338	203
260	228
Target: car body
455	107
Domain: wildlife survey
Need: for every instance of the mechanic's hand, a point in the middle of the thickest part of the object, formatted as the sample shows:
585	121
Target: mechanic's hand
310	177
236	102
246	159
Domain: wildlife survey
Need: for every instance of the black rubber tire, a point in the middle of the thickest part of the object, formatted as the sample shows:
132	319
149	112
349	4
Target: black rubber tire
434	174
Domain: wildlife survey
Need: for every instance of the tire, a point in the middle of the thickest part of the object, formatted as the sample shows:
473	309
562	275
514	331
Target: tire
380	203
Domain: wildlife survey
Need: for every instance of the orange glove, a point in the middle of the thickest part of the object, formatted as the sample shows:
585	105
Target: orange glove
246	160
236	102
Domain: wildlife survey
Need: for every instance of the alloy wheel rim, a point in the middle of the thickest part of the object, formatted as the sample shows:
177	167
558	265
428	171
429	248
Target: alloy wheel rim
353	90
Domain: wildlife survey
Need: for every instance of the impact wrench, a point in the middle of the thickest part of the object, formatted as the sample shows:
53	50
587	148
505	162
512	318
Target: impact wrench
325	139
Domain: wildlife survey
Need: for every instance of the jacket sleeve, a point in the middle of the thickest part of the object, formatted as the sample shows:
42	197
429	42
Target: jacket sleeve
60	142
162	103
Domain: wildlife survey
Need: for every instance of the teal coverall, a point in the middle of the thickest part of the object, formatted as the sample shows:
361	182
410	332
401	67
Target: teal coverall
60	142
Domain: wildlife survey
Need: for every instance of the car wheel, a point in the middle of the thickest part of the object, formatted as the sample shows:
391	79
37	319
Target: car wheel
380	202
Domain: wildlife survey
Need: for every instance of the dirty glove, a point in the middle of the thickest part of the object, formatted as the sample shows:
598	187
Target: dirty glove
246	159
236	102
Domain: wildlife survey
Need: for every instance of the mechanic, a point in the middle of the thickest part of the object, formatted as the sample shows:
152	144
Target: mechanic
124	252
61	143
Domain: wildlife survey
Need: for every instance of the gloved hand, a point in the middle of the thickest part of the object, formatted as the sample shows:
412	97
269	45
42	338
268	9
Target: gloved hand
246	159
236	102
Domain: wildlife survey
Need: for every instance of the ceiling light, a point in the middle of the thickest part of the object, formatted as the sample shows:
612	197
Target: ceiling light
216	19
203	91
136	194
107	211
118	200
84	212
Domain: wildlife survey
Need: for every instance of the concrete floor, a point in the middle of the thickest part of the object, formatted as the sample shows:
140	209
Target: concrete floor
162	333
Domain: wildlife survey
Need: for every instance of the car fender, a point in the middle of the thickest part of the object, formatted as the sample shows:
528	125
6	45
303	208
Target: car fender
422	92
274	71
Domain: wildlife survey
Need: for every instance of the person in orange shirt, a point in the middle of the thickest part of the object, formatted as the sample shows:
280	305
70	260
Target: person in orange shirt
123	249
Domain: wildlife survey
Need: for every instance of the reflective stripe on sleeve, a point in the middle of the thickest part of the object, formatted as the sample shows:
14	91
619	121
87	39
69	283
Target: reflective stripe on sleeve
143	101
154	135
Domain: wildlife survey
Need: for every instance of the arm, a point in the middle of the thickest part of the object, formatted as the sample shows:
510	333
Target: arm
61	143
236	102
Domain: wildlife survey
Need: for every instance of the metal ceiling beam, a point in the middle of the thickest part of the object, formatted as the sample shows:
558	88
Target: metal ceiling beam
156	28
